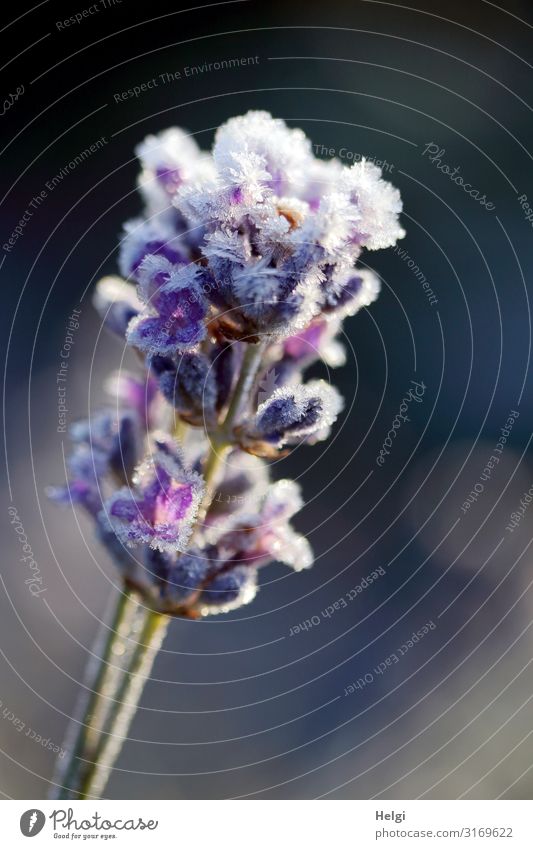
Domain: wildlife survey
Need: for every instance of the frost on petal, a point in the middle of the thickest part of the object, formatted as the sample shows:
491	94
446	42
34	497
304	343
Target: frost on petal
116	302
106	448
322	177
227	244
327	236
257	538
292	414
350	290
292	549
228	590
315	342
144	238
258	286
379	205
282	500
256	150
162	506
191	388
170	161
245	481
168	157
153	272
173	321
203	203
179	578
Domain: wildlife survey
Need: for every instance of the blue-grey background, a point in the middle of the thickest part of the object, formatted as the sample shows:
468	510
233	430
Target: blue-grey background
236	705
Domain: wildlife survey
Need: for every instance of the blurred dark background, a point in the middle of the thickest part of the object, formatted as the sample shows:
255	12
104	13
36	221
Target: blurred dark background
237	706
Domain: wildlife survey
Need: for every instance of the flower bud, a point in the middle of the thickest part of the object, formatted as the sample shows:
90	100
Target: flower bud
191	389
292	414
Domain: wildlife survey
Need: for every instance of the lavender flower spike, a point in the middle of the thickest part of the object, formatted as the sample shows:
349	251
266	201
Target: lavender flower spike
238	276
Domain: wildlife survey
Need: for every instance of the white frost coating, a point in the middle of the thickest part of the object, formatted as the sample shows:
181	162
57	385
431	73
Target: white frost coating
292	548
111	290
137	233
150	267
282	500
368	293
379	203
227	244
145	475
299	397
175	151
262	146
171	148
247	594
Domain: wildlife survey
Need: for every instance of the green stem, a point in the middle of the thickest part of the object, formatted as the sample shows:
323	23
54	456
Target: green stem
97	738
222	440
180	430
250	365
101	672
125	705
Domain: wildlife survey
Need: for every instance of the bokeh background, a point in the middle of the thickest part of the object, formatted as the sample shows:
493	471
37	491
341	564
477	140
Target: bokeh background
237	707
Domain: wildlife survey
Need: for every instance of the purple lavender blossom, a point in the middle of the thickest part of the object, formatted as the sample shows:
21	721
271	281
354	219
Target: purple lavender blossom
143	239
192	584
348	291
237	277
256	241
173	318
292	414
161	507
259	537
191	388
272	240
138	394
105	446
